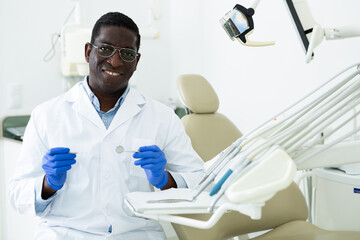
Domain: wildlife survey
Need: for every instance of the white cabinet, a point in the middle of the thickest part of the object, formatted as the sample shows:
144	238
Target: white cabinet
336	200
14	225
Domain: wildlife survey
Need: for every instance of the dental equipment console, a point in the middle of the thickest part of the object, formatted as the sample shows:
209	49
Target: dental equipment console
264	161
256	166
239	24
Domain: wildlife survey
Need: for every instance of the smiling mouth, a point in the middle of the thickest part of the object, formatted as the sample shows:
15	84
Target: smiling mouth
112	73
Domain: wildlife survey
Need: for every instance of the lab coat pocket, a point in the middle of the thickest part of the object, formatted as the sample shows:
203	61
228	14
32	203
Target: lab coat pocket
137	180
79	185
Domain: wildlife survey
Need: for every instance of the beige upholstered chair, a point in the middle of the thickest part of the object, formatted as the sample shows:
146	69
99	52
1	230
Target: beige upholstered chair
210	132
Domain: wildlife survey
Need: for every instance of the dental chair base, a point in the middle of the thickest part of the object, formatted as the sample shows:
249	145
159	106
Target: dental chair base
301	230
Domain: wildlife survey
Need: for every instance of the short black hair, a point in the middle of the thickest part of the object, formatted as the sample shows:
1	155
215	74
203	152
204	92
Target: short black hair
116	19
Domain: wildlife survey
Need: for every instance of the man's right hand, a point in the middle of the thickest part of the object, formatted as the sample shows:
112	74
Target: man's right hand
56	163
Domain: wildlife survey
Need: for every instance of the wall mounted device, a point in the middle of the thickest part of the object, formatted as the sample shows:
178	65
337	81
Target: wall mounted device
73	39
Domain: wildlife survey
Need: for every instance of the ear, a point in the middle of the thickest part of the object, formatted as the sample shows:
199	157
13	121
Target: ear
87	51
137	60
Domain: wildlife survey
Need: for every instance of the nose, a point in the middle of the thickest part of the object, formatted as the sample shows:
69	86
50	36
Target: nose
115	60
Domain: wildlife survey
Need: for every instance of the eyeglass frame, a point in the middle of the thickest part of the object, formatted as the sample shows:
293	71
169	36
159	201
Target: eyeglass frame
115	48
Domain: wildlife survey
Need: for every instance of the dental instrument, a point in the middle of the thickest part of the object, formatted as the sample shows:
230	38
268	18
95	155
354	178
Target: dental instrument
211	176
169	200
239	164
220	158
121	149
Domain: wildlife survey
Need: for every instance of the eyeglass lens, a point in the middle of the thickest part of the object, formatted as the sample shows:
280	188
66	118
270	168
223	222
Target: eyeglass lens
126	54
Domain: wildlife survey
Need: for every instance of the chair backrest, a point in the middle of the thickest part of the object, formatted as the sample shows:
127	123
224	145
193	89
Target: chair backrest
210	133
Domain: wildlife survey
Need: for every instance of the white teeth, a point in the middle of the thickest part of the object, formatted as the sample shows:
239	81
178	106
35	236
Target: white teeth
112	73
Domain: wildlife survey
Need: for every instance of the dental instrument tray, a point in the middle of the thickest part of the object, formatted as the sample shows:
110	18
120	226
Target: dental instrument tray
247	195
172	201
161	205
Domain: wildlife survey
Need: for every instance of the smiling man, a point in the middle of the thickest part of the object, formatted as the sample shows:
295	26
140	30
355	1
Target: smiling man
109	74
71	173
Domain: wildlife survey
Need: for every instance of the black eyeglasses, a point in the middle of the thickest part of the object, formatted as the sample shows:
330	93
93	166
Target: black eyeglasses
106	51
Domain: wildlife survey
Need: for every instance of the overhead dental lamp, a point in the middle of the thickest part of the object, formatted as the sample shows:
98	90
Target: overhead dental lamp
238	24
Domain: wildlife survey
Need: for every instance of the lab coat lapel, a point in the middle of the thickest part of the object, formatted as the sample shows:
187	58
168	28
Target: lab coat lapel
132	104
82	105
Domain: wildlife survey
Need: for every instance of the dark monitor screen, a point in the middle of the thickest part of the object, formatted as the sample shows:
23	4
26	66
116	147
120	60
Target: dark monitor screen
299	27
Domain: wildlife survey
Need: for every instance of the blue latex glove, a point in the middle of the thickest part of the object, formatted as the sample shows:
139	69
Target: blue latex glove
153	161
56	163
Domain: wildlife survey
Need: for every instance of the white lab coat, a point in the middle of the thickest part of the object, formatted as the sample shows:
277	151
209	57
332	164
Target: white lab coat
92	197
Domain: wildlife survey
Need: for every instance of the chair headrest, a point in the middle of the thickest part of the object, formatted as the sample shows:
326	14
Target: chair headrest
197	94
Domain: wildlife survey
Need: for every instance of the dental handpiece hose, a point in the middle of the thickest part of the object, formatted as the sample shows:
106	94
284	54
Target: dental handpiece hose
260	130
215	172
237	173
240	161
221	157
239	165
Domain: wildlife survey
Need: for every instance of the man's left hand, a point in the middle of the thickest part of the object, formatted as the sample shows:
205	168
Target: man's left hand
153	161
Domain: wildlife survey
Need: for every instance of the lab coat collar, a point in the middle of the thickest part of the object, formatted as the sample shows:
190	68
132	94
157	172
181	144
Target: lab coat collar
132	104
82	104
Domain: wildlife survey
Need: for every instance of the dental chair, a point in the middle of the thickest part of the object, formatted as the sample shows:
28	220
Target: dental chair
210	132
284	215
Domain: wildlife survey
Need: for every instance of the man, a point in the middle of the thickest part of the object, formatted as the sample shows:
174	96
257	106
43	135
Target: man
75	167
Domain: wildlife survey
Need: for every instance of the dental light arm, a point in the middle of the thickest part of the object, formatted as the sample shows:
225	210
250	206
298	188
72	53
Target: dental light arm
310	32
318	34
342	32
